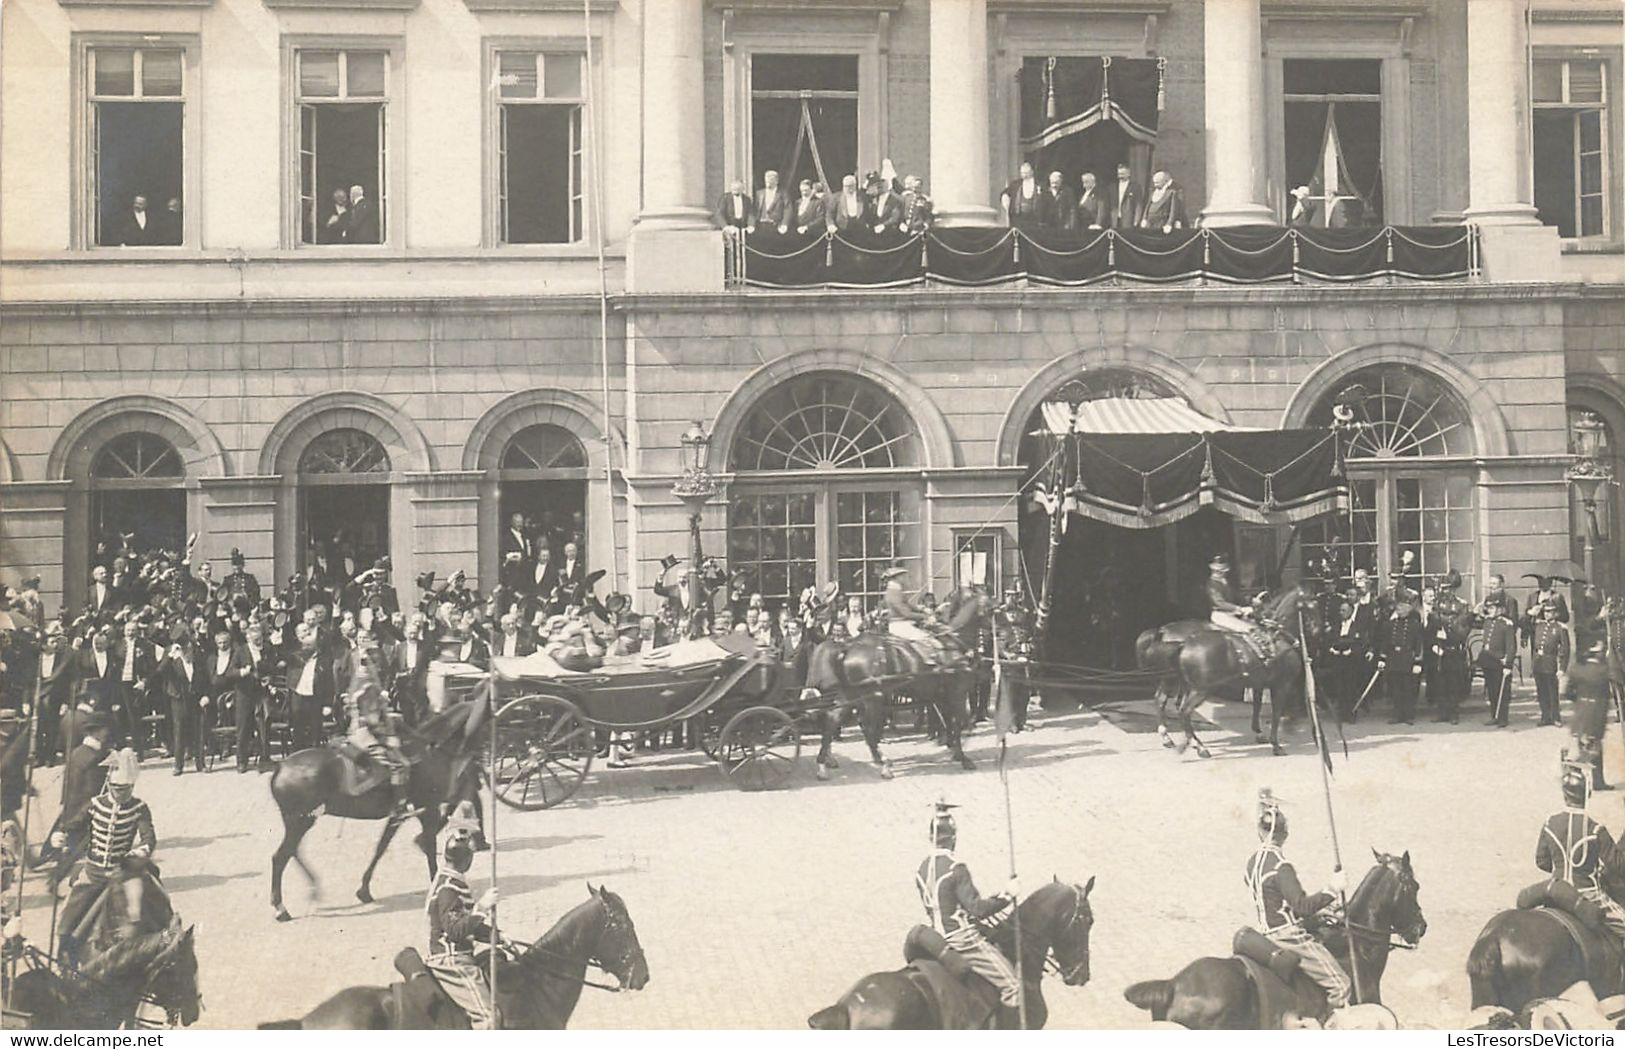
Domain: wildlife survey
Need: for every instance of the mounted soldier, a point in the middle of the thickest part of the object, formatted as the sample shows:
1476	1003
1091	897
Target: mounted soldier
956	910
1284	907
1576	849
373	730
1229	617
112	878
458	927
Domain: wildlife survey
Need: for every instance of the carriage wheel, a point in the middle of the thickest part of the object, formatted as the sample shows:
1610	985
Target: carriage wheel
759	747
544	750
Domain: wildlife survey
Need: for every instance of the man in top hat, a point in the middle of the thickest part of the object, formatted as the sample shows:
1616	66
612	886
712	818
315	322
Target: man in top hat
1577	849
242	589
58	674
1587	690
1447	626
1283	906
252	663
1023	200
136	664
119	841
1399	655
885	206
98	673
183	678
458	926
1549	649
1496	656
956	910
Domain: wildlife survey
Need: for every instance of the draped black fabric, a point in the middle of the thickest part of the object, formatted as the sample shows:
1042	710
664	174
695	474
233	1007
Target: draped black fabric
1304	138
1068	95
986	256
1138	480
1359	132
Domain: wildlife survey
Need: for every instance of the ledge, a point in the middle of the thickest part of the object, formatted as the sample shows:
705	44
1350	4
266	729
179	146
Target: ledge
812	7
1363	10
563	7
136	3
341	5
1079	7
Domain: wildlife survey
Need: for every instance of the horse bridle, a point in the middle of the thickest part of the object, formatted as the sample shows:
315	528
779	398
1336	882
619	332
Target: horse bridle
1371	933
620	967
1053	966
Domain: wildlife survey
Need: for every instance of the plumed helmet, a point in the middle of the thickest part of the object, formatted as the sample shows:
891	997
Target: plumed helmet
1576	784
944	829
122	767
1271	817
1219	561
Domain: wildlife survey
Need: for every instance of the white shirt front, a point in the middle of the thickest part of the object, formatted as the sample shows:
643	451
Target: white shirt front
254	654
47	663
307	677
100	655
1122	192
141	219
411	654
524	544
510	644
129	662
222	660
186	665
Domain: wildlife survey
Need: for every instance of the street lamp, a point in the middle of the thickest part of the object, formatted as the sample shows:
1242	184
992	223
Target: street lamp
1590	473
695	488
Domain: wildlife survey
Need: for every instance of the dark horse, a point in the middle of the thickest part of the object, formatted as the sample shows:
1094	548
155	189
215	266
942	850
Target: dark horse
878	665
1157	650
1210	659
535	992
1055	920
160	967
1525	955
445	771
1215	994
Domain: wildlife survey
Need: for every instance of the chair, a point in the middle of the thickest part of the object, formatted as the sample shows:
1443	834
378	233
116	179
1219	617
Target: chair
278	709
221	736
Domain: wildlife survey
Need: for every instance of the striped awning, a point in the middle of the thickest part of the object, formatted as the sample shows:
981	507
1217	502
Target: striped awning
1133	415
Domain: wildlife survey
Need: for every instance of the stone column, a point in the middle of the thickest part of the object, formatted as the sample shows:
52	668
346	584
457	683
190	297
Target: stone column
1499	192
673	247
959	101
1234	127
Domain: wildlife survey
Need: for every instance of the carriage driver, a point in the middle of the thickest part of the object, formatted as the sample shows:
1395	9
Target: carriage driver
118	844
955	908
457	925
904	618
1230	617
1283	906
1578	849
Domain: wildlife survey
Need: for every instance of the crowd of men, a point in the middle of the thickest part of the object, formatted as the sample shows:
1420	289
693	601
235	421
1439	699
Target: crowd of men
137	226
1056	206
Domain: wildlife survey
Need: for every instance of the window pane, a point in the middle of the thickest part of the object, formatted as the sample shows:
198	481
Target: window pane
1591	131
138	154
366	69
1337	76
1548	85
804	72
115	71
1591	175
538	160
1591	217
346	141
319	74
562	75
516	72
161	73
1585	82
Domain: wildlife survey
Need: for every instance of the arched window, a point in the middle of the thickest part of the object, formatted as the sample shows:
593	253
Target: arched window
136	489
1409	486
544	447
823	488
344	451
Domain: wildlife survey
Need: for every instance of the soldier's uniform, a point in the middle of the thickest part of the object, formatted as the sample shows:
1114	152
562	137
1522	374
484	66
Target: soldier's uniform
372	728
1282	905
1578	849
242	589
954	908
1549	647
119	839
1399	657
1225	614
1588	693
1495	659
1447	629
917	212
457	928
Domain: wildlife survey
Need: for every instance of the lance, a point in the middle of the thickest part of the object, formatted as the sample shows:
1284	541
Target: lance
1046	595
1322	758
491	671
1009	826
32	725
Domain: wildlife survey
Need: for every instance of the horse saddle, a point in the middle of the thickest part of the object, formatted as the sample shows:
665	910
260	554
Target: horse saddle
1583	920
1252	653
361	772
418	1002
964	1001
1274	998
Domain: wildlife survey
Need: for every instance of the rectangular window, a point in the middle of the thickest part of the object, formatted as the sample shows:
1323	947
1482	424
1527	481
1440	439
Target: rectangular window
540	178
773	540
136	145
868	540
343	99
803	118
1333	139
1571	146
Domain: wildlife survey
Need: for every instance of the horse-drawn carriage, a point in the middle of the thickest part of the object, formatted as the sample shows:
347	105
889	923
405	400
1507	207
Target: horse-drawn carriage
551	720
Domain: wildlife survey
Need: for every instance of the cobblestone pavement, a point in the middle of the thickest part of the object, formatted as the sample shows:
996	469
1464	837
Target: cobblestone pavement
758	909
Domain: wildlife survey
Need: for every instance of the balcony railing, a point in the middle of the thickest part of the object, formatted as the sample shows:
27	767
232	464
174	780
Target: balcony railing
984	257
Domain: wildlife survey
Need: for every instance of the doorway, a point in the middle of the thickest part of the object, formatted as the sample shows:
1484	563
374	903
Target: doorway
345	520
155	516
555	512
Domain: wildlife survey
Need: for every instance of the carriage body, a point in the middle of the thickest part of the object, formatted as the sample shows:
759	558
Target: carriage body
552	720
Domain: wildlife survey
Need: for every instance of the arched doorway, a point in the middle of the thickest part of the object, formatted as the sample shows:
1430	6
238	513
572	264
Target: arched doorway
826	487
1411	478
1110	582
344	487
542	476
137	489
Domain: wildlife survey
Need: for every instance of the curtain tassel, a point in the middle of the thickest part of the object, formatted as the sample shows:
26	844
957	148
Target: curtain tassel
1162	90
1106	88
1015	238
925	262
1145	495
1050	112
1269	505
829	250
1207	463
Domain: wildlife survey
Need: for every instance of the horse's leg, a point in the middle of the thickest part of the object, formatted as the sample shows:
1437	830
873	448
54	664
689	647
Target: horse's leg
364	894
953	700
871	716
1258	711
1278	705
294	828
431	821
826	736
1187	721
1162	696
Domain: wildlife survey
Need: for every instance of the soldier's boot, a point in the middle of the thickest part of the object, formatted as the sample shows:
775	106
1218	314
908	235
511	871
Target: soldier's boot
1283	964
404	809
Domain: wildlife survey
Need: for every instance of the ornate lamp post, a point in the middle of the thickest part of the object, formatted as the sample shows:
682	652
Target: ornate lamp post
695	489
1591	474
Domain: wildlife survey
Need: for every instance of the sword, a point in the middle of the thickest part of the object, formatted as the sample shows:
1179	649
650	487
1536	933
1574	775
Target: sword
1369	685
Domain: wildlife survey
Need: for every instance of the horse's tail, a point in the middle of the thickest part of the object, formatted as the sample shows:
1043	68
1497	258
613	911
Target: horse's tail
282	1025
1484	969
834	1018
1154	996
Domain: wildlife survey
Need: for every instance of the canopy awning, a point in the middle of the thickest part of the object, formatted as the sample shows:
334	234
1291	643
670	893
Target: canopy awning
1147	462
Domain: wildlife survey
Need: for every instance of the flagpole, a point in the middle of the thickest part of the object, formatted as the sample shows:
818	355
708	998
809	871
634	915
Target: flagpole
491	697
1323	753
1009	824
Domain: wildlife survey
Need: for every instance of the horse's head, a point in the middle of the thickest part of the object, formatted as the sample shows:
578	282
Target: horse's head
618	951
1388	898
172	982
1061	911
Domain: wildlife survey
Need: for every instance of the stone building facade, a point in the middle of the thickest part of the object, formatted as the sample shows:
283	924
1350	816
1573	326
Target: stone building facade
261	391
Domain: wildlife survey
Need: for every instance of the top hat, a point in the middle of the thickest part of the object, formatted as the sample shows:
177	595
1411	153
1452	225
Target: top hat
31	583
668	562
425	580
